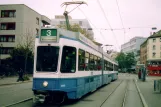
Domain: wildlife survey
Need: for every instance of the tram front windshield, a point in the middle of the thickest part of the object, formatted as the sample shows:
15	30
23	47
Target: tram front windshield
47	58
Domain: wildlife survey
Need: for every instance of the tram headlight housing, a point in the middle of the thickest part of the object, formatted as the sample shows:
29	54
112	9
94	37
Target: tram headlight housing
45	83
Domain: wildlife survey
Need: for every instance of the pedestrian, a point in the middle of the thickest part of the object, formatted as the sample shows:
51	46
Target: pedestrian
139	74
20	75
144	73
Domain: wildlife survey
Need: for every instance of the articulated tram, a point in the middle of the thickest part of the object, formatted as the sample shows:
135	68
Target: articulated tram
68	65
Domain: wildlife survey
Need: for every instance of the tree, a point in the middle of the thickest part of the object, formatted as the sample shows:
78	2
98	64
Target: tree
22	57
22	54
121	61
130	59
126	61
77	28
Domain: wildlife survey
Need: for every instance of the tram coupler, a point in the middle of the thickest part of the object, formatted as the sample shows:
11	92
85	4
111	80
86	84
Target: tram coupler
39	98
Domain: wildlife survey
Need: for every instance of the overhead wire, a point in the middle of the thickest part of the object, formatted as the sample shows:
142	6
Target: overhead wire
108	23
91	22
121	18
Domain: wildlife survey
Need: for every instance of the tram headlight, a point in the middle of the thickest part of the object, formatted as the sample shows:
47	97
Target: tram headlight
45	83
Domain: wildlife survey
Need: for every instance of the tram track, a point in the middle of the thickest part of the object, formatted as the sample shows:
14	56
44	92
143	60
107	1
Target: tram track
125	95
110	94
9	105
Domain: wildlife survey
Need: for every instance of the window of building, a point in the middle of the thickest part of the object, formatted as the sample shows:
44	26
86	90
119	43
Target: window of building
8	13
68	61
154	54
7	38
6	50
7	26
37	32
61	22
80	23
153	47
154	40
37	20
81	62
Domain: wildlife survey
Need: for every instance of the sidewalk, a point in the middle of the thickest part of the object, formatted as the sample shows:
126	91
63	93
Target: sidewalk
152	98
12	80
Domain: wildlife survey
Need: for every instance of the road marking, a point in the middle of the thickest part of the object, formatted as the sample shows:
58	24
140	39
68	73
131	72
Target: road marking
141	96
18	102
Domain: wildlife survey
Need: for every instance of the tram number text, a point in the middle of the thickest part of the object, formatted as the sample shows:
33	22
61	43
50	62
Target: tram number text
48	32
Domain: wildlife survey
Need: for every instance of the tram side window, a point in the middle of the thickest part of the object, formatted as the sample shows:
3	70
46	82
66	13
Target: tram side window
91	62
112	67
95	62
81	64
99	64
108	66
87	61
68	62
105	65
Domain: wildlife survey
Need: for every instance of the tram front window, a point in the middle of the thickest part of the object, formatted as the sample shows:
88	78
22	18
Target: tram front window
47	58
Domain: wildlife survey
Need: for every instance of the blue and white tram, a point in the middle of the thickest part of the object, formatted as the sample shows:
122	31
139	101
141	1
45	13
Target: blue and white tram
68	65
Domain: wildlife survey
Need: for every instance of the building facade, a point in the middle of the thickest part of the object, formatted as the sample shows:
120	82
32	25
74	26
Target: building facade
151	54
154	54
133	46
16	22
143	53
83	23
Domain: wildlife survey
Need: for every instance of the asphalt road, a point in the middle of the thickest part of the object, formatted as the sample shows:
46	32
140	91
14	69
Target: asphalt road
13	93
120	93
111	95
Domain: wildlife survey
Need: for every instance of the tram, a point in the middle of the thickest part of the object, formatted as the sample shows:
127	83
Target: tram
68	65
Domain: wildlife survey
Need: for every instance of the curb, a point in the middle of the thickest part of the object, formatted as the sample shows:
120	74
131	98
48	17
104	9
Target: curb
18	102
141	96
15	83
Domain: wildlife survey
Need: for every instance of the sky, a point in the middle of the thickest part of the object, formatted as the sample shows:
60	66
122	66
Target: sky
107	17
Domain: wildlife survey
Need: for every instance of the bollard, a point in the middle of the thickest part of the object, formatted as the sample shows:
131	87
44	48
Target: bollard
157	86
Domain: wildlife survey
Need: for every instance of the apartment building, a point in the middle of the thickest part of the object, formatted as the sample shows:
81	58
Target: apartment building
151	54
133	45
143	53
16	22
84	24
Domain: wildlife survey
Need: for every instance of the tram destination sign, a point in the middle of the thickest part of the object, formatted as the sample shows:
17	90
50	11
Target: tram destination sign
48	35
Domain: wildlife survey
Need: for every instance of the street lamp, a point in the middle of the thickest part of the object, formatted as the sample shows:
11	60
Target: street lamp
153	30
0	52
108	52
